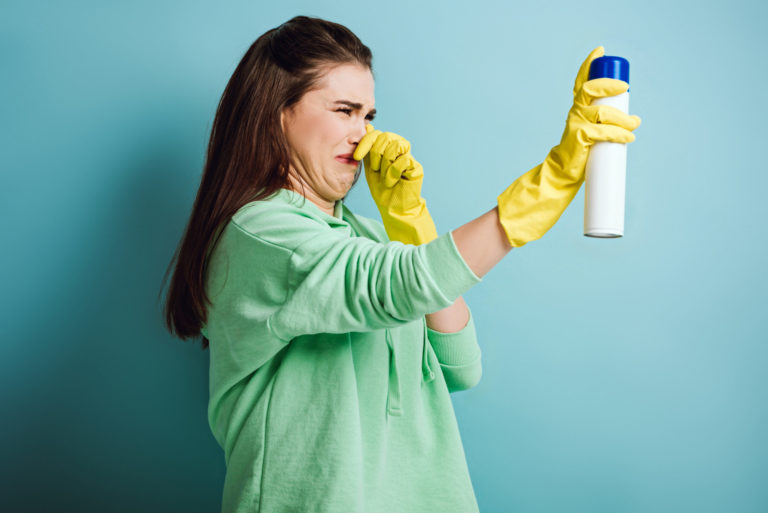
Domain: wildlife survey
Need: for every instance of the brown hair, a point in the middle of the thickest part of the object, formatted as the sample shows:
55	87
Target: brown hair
247	157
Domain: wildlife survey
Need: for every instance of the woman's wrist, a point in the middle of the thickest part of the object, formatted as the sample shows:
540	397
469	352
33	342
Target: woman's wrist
482	242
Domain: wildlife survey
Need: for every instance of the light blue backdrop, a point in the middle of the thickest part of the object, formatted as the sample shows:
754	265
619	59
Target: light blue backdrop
624	375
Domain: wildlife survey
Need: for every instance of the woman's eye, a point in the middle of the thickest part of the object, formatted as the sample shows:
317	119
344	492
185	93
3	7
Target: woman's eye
348	112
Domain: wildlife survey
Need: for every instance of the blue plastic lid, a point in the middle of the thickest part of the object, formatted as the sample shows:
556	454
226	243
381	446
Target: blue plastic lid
610	66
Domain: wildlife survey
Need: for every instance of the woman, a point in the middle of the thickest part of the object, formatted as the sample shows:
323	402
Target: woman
335	339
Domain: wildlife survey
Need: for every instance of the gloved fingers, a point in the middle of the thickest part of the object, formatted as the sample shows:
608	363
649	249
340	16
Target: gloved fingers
594	132
364	146
395	147
413	170
599	88
583	73
392	175
404	167
607	114
394	171
378	147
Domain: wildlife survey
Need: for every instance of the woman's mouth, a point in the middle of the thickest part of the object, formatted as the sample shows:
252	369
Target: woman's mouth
346	160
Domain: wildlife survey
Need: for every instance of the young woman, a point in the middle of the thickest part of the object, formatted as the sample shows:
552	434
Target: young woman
335	339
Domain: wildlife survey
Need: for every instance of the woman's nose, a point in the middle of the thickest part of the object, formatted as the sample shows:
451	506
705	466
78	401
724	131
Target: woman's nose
360	131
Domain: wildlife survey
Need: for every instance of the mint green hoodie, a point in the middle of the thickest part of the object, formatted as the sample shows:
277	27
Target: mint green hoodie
328	392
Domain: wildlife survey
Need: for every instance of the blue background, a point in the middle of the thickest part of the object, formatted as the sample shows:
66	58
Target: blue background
620	375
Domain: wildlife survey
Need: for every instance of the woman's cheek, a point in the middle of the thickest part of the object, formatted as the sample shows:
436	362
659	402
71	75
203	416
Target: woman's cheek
341	129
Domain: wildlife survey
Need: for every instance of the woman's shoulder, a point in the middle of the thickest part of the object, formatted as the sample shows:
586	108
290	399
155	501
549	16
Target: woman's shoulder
284	219
258	214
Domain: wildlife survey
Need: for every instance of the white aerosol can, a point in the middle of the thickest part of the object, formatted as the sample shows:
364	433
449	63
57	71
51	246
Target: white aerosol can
606	169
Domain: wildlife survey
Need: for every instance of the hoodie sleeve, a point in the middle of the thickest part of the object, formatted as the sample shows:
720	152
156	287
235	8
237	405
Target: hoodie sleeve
459	355
335	283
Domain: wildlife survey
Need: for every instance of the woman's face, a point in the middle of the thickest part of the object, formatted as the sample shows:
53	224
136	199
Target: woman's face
323	127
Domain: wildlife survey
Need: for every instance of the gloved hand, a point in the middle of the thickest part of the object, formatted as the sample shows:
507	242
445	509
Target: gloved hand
536	200
394	178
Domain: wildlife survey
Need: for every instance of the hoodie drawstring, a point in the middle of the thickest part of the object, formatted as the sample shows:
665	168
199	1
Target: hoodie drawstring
426	369
393	390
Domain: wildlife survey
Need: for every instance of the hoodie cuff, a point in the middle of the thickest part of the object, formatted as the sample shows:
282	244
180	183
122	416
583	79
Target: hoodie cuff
458	348
444	263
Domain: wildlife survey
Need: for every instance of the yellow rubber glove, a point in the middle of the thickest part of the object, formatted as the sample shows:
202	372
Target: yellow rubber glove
394	178
536	200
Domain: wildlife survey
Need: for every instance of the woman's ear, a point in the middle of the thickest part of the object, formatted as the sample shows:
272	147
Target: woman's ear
286	115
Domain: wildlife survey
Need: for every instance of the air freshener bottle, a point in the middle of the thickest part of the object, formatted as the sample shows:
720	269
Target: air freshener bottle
606	169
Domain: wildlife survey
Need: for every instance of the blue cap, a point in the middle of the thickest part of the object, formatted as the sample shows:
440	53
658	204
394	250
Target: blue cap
610	66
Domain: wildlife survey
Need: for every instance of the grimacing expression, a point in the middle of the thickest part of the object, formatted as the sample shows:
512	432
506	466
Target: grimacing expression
326	125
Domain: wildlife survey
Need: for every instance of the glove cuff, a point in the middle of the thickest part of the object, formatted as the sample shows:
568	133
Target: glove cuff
534	202
410	229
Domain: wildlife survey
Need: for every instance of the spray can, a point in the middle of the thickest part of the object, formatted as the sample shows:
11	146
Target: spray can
606	168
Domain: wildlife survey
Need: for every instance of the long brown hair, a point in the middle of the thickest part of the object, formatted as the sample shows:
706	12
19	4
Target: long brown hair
247	157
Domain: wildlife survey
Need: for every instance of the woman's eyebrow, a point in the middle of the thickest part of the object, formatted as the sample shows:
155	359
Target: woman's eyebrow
354	105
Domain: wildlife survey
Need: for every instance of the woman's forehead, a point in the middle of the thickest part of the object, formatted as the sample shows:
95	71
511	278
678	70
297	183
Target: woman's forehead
348	82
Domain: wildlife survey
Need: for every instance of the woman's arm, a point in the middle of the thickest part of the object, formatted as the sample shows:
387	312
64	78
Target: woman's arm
482	244
450	319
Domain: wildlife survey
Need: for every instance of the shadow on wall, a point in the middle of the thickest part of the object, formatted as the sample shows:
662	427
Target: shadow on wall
113	418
